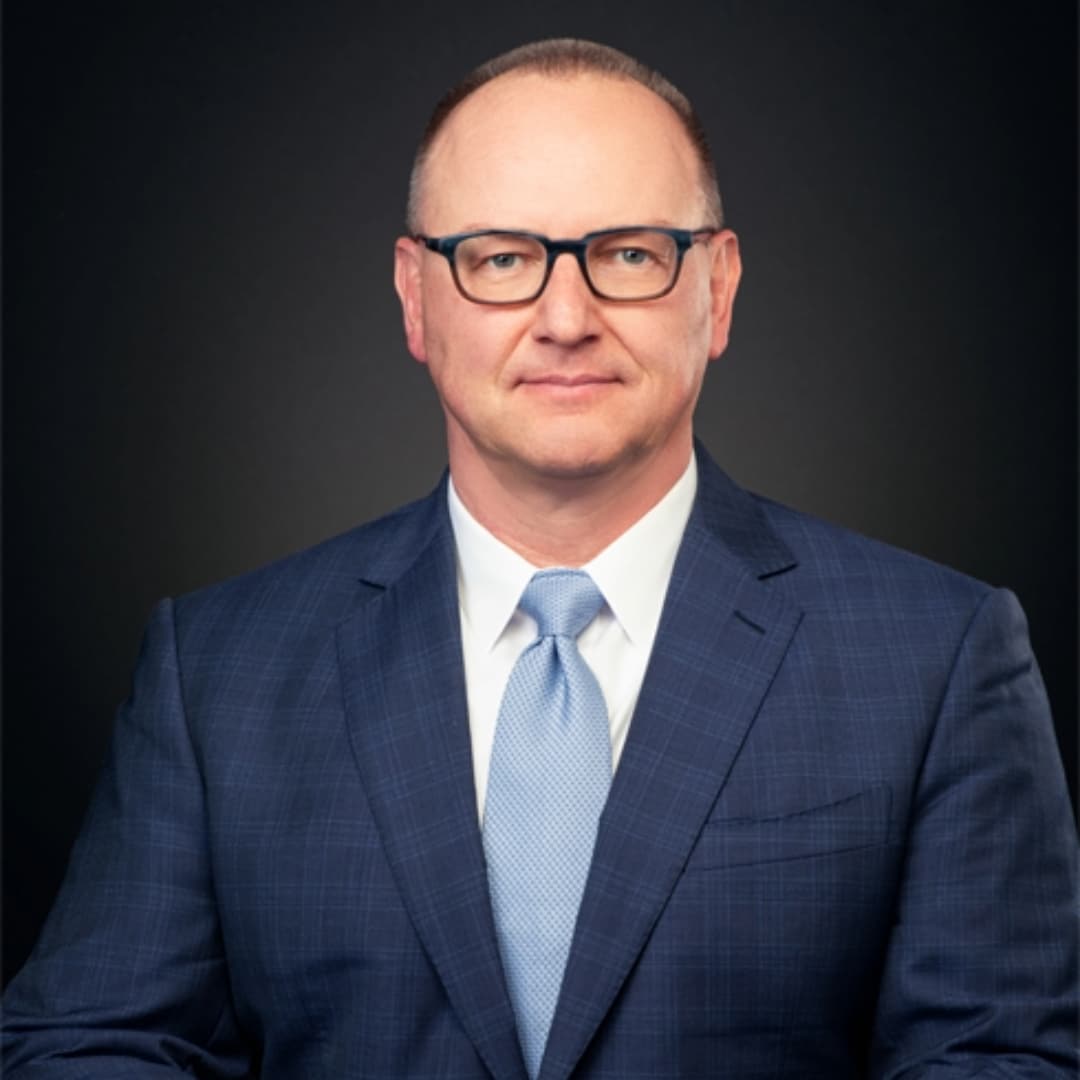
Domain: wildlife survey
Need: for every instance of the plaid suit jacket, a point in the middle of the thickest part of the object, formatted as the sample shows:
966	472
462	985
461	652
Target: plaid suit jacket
838	843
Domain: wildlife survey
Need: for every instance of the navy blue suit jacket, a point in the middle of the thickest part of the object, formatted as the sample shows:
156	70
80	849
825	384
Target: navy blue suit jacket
838	843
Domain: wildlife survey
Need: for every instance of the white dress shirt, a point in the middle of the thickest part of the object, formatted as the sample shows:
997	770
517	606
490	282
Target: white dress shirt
633	574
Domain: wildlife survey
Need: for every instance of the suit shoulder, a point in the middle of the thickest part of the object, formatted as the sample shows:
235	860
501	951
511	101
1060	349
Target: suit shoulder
841	561
825	566
321	582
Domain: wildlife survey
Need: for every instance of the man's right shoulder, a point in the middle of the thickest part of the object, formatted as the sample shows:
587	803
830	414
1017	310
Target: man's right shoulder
320	584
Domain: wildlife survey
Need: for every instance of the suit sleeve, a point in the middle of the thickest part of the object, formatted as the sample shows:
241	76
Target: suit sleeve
129	978
981	974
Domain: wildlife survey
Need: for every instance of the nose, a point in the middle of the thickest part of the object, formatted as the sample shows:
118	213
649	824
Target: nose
566	309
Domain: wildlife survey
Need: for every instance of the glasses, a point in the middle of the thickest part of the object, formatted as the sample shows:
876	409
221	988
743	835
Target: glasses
635	262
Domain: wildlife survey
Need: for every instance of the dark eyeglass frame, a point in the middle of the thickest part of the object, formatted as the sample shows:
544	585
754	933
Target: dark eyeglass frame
684	240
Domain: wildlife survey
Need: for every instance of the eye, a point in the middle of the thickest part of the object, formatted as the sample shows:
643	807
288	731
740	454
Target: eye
503	260
498	255
632	256
623	252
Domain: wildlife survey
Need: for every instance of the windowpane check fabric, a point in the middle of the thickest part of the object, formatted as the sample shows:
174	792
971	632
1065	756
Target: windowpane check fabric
549	780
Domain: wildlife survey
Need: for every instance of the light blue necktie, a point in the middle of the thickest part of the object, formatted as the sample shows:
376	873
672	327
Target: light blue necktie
549	778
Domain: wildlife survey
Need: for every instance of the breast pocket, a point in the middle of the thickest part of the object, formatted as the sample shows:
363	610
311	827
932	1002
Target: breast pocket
858	821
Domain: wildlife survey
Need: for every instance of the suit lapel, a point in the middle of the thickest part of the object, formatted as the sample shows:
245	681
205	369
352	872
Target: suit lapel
721	639
406	708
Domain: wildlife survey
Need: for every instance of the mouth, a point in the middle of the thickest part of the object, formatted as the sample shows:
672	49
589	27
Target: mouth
562	391
556	381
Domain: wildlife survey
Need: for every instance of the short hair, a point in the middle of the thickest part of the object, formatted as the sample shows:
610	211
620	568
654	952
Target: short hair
567	57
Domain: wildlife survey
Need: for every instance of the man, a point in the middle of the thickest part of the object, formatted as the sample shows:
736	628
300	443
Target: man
356	820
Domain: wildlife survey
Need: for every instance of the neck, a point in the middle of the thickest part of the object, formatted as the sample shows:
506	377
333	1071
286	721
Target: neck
564	521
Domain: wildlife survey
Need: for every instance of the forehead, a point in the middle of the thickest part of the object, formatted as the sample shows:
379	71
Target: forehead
562	155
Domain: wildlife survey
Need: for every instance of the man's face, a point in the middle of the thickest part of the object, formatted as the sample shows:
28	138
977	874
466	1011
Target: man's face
569	385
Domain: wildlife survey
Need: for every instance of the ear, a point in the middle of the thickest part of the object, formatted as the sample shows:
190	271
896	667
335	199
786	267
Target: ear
724	281
407	255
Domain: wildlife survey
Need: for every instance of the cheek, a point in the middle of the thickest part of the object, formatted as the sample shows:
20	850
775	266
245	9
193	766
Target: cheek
467	344
696	335
450	342
677	345
435	321
699	314
469	341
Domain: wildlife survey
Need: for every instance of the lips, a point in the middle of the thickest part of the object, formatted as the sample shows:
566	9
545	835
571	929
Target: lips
568	381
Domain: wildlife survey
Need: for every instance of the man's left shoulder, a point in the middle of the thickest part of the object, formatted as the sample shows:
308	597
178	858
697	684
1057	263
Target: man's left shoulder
830	548
819	565
843	572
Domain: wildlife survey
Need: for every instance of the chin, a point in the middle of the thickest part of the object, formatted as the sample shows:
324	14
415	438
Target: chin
576	459
578	469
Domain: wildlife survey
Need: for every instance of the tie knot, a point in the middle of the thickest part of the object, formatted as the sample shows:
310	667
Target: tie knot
563	602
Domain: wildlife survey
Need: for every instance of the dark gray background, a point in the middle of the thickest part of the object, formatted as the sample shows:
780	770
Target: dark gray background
203	359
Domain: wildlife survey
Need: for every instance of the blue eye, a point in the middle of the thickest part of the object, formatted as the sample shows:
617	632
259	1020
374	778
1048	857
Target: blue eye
504	260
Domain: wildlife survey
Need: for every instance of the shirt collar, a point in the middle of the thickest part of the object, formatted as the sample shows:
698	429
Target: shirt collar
491	576
632	572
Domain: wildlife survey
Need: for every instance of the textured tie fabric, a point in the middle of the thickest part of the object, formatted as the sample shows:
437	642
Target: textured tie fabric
549	779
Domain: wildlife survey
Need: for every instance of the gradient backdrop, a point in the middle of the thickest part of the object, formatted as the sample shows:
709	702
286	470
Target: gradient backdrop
204	367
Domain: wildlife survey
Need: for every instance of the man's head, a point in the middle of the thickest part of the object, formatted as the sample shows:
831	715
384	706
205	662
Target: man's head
566	386
566	57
